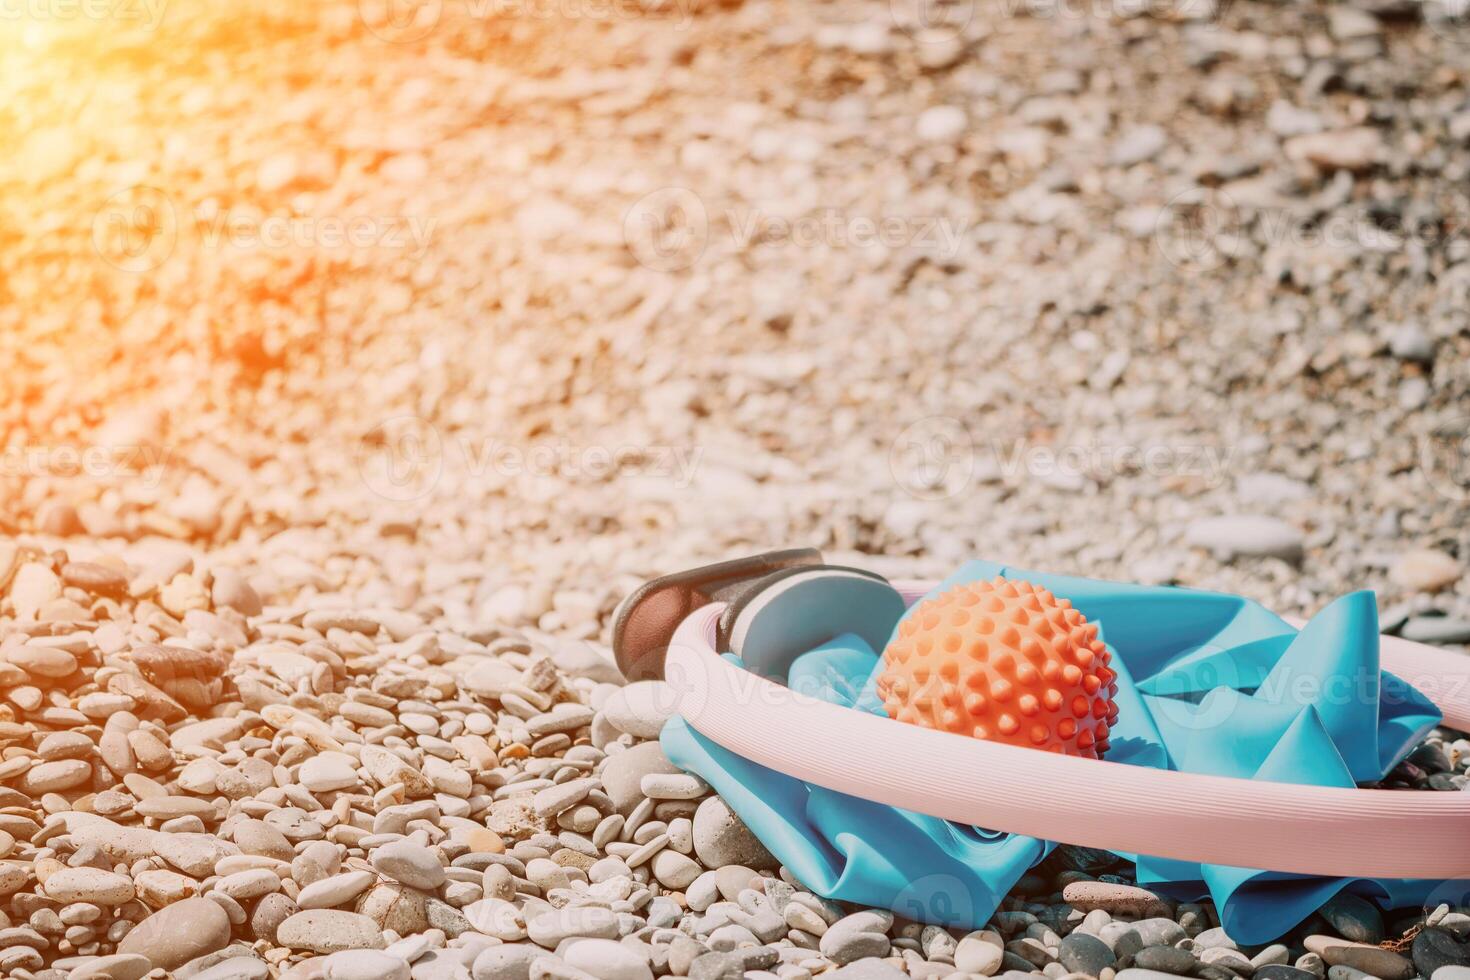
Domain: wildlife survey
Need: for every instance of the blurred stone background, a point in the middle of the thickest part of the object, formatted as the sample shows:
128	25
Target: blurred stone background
500	306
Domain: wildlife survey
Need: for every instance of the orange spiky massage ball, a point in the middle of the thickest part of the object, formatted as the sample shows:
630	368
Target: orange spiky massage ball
1003	660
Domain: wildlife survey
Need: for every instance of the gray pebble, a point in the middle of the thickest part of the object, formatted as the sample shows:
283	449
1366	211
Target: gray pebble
1355	918
1276	971
1246	536
444	964
979	953
641	708
703	891
1231	959
721	838
622	774
364	964
800	916
511	961
554	799
869	969
1436	629
126	966
730	937
1370	959
550	928
938	944
1081	953
1166	959
716	966
683	951
1312	963
248	967
607	960
409	863
674	870
672	786
1138	145
330	930
857	936
1409	342
1274	955
1159	931
1213	938
1122	938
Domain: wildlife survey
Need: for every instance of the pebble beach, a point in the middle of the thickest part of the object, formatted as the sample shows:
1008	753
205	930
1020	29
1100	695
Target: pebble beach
360	358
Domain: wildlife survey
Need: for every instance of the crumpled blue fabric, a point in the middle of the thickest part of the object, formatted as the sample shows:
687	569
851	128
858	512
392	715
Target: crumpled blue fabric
1207	682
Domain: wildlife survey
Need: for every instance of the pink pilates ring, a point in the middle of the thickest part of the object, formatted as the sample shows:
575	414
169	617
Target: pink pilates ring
1290	828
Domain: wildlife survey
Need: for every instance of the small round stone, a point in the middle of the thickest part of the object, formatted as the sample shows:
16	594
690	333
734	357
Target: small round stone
1380	962
1436	948
1278	971
941	124
721	838
550	928
326	772
330	931
95	578
674	870
178	933
1165	959
856	937
55	777
1081	953
408	863
673	786
511	961
483	840
268	915
232	591
364	964
120	966
641	708
1116	899
336	890
1157	931
259	837
89	885
622	774
239	967
244	886
1355	918
980	952
607	960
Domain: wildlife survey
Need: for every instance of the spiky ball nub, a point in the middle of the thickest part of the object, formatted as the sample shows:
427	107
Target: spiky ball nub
1006	661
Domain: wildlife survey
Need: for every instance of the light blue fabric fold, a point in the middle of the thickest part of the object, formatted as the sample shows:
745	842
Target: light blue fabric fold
1207	682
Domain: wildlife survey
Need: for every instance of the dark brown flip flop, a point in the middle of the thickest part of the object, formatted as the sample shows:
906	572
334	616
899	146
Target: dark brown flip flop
644	622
